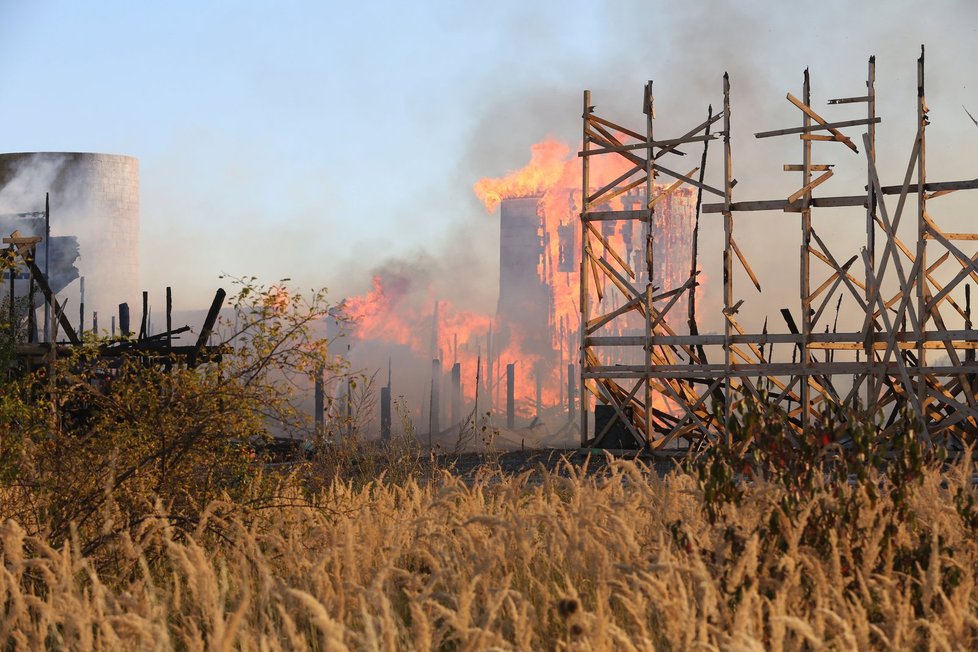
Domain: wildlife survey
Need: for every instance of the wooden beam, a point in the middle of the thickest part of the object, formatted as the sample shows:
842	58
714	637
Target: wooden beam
819	119
831	126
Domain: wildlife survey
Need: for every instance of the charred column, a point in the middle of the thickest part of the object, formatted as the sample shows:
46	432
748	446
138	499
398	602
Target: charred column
124	319
571	391
510	395
81	306
456	393
434	408
385	413
319	403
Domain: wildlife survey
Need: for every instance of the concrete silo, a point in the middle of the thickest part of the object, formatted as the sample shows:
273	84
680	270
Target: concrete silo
94	197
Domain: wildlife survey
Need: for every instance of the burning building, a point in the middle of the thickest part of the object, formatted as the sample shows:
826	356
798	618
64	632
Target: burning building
525	354
94	198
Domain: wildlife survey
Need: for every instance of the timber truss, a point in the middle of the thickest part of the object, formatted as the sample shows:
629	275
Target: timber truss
914	351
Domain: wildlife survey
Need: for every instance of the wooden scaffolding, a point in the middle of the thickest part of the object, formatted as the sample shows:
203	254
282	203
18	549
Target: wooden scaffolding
915	350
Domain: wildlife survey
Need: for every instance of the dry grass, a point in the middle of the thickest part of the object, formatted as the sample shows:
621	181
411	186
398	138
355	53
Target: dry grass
620	560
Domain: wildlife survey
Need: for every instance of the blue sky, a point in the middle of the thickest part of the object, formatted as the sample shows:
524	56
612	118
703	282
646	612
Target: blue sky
318	140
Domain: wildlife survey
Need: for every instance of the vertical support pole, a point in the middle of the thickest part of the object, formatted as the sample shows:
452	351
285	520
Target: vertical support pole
385	413
10	303
649	255
969	355
511	396
456	393
727	259
113	326
31	317
921	243
124	319
169	328
143	322
538	375
571	391
319	402
434	406
872	386
81	306
585	251
487	379
95	322
349	407
47	262
805	281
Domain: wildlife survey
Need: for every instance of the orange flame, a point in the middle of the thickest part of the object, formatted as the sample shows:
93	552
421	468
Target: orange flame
388	314
548	163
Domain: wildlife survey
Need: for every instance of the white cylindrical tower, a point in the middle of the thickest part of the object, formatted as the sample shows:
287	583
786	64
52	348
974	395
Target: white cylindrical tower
95	198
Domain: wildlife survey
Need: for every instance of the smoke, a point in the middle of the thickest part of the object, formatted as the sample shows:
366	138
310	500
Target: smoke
93	198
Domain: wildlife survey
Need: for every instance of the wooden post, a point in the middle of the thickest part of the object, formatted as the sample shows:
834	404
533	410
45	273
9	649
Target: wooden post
95	322
31	317
47	260
872	387
583	301
434	406
922	312
456	393
385	413
727	254
124	319
12	271
511	396
208	327
969	355
169	328
319	403
571	391
806	235
649	254
538	375
143	323
81	306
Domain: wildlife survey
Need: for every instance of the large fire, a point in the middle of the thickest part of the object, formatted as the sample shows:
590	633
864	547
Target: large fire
541	342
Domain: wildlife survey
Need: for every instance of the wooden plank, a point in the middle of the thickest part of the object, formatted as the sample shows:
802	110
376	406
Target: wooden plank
616	127
774	369
817	167
783	205
692	182
671	149
600	191
850	100
618	192
819	119
662	195
598	322
611	250
819	127
42	283
743	261
208	327
810	186
954	236
613	216
967	184
818	254
967	335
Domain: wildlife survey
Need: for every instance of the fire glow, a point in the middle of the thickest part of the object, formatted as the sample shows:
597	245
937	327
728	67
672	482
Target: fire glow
545	341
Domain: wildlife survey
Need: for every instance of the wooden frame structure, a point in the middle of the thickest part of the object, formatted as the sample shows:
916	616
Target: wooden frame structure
915	350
